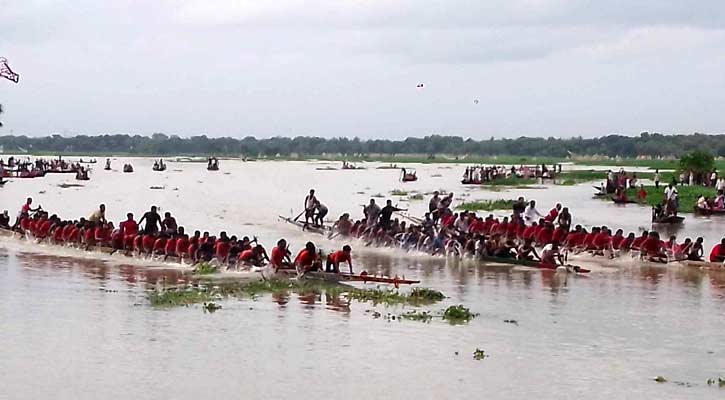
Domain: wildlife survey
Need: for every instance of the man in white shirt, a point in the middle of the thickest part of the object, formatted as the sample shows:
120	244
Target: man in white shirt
531	214
670	192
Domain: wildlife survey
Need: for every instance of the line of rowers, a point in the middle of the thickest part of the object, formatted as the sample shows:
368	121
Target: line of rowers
442	231
163	237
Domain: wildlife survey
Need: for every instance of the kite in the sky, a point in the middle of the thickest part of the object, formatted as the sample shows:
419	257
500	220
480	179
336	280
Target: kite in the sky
6	72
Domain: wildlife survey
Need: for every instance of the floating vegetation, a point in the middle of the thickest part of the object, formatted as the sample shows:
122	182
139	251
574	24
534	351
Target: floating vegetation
426	295
377	195
156	187
416	196
68	185
422	316
398	192
660	379
181	297
568	182
511	321
479	354
211	307
458	314
205	268
486	205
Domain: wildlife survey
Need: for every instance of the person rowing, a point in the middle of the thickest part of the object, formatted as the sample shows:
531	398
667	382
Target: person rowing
25	211
254	257
319	217
550	256
169	224
307	259
280	256
526	251
335	259
5	220
652	249
717	254
342	226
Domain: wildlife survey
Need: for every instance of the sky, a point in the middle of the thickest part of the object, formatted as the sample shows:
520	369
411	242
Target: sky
489	68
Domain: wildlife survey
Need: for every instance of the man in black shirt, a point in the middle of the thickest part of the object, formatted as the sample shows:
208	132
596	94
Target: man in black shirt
386	213
153	221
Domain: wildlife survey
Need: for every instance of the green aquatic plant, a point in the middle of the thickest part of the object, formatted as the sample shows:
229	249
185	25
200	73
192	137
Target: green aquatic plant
458	314
422	316
425	295
720	381
211	307
479	354
416	196
486	205
660	379
181	297
398	192
205	268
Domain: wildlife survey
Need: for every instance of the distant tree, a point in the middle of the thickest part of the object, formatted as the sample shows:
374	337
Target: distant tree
699	163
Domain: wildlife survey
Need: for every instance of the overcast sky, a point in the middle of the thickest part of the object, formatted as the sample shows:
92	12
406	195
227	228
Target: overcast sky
350	68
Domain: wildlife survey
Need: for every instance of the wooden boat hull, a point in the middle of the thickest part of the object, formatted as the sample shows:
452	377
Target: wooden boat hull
307	227
528	263
700	211
672	219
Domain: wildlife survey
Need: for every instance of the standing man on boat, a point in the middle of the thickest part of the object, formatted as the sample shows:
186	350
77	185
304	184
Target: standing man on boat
433	205
372	211
153	221
387	212
310	203
98	215
531	214
25	211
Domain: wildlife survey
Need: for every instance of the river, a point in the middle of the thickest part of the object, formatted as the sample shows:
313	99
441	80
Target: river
76	326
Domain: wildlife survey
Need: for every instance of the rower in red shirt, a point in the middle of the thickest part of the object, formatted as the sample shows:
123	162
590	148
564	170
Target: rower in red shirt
182	247
253	257
170	248
221	250
603	240
335	259
147	244
637	243
58	234
280	256
75	234
652	248
530	231
89	237
717	254
617	239
551	217
545	235
576	239
159	245
307	259
559	234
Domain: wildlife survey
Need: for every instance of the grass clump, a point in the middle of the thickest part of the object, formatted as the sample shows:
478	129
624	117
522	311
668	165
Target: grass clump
181	297
416	196
211	307
486	205
422	316
205	268
398	192
479	354
425	295
458	314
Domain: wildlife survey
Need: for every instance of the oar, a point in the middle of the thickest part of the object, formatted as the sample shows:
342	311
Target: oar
298	217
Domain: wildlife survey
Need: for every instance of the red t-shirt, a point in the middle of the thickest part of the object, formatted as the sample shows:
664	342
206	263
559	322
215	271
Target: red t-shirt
88	236
159	244
305	258
222	249
559	235
129	228
602	239
340	257
182	246
148	242
617	241
637	243
277	256
651	245
170	246
716	251
246	255
576	239
544	236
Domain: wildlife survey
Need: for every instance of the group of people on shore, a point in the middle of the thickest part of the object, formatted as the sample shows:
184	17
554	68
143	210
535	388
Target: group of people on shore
483	174
154	236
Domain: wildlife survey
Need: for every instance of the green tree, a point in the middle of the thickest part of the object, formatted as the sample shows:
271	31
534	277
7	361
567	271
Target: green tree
699	163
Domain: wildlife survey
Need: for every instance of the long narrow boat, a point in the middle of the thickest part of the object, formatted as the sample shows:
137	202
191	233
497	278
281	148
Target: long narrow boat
530	263
321	230
361	277
702	211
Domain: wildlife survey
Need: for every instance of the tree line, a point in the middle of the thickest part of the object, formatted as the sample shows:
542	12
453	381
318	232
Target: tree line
655	145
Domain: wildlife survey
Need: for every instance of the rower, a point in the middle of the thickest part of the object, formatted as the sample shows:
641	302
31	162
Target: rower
651	248
371	211
153	221
343	226
129	229
717	254
25	211
255	257
387	212
526	251
99	215
307	259
433	205
169	224
550	256
280	256
335	259
5	220
696	251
